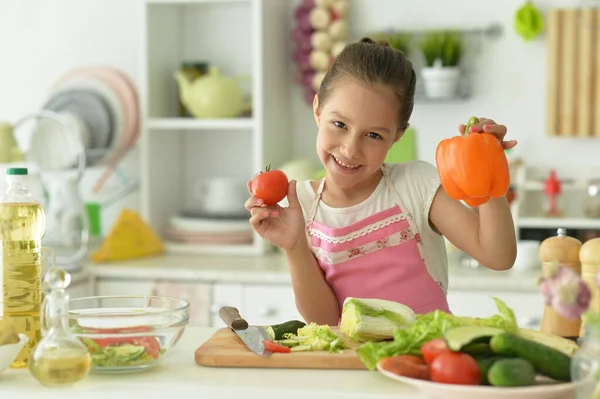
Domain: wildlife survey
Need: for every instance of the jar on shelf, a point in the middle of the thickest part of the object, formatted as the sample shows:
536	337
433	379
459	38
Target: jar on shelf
585	365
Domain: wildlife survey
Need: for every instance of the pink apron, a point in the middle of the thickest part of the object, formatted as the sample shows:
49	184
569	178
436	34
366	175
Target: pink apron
377	257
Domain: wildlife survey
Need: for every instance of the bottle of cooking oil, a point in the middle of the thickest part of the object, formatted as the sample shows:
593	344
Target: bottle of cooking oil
22	226
60	358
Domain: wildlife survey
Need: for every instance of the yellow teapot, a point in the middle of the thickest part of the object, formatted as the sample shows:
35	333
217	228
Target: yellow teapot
212	95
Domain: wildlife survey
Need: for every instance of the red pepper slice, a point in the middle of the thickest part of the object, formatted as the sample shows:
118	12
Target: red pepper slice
275	347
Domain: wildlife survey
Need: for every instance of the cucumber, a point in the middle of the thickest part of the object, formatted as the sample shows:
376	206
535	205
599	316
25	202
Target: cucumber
545	360
515	372
459	337
277	331
485	363
477	349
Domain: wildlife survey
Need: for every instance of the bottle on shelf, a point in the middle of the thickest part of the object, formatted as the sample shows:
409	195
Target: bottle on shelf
22	226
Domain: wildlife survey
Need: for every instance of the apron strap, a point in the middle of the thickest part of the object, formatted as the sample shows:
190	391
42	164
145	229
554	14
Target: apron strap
315	205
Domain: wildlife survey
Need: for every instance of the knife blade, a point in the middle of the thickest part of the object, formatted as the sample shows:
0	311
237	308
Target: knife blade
251	336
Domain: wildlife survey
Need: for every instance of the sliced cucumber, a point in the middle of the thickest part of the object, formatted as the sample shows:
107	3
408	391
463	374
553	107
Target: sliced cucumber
277	331
459	337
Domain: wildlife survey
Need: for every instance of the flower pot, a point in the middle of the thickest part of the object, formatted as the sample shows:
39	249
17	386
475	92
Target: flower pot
441	82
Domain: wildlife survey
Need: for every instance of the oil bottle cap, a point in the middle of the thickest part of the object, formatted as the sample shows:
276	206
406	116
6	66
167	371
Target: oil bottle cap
16	171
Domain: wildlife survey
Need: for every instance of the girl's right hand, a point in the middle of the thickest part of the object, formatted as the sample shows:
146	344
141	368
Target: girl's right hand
283	227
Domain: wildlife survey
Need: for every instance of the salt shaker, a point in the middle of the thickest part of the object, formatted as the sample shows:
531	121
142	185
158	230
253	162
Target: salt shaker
564	251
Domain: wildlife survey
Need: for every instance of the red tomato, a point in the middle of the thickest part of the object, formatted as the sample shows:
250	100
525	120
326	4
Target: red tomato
431	349
407	366
275	347
271	186
455	368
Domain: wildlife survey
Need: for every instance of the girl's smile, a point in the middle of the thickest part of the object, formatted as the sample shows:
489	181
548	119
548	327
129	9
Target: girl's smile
344	166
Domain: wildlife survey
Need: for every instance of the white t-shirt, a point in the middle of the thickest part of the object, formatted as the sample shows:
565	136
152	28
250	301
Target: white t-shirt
416	183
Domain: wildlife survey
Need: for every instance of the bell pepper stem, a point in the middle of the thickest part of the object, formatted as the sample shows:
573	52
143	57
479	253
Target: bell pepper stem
472	121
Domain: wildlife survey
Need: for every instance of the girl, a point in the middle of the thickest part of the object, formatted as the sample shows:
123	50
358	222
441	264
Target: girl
369	229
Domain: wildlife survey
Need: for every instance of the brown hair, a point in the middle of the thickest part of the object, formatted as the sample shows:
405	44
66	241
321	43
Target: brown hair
375	62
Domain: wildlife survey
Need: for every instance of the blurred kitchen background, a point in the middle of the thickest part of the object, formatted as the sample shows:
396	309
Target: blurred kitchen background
142	120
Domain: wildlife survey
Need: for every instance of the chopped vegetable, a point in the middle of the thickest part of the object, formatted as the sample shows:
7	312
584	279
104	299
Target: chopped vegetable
430	326
275	347
277	331
314	337
458	338
407	366
367	319
120	351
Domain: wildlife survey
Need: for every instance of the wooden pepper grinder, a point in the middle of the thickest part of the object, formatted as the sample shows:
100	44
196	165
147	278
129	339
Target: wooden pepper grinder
589	255
562	250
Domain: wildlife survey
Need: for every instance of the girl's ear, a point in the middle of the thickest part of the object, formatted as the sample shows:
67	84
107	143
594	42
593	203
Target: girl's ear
316	110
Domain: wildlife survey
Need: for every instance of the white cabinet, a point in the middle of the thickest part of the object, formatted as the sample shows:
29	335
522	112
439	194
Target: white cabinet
527	306
267	304
239	37
110	286
80	287
225	294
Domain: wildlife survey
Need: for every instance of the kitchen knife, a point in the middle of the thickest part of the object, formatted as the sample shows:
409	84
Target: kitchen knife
252	336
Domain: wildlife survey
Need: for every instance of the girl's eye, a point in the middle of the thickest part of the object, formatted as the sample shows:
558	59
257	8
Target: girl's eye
373	135
339	124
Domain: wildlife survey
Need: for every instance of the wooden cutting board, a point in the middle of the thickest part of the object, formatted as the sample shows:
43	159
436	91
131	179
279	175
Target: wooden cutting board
225	349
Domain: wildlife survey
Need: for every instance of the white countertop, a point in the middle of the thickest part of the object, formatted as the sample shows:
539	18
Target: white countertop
273	269
179	377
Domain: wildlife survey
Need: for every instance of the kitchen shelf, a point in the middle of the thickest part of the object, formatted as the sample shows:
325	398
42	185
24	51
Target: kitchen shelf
530	201
241	38
200	124
203	249
567	223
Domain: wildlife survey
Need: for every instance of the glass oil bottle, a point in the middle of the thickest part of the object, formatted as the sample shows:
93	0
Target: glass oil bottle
60	358
22	225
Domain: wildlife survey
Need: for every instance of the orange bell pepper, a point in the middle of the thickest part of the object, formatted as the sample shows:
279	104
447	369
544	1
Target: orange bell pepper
473	167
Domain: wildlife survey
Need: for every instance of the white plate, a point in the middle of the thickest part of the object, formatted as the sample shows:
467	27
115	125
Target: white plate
197	225
544	389
107	93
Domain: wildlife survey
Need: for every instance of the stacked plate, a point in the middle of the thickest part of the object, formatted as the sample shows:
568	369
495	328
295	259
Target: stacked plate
196	229
103	102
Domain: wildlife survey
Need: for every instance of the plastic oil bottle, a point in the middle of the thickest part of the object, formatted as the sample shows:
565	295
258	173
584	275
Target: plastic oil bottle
22	226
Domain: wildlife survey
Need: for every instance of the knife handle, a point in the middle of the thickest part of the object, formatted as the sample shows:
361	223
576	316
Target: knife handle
231	317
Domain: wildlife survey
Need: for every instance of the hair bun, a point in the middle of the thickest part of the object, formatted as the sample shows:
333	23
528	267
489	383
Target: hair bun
368	40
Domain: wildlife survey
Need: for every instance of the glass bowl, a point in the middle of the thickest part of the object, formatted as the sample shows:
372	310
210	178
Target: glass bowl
128	333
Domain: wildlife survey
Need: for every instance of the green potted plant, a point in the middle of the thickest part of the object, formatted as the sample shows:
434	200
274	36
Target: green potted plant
399	41
442	52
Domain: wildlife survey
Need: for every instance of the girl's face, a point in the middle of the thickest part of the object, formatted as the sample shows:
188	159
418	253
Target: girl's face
357	126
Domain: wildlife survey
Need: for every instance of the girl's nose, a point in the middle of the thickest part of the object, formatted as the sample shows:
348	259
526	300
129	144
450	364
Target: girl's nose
351	149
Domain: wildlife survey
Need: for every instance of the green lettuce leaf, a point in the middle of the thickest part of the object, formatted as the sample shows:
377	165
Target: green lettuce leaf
430	326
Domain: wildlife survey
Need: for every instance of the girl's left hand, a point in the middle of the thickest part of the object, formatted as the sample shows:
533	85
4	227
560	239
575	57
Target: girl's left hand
489	126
